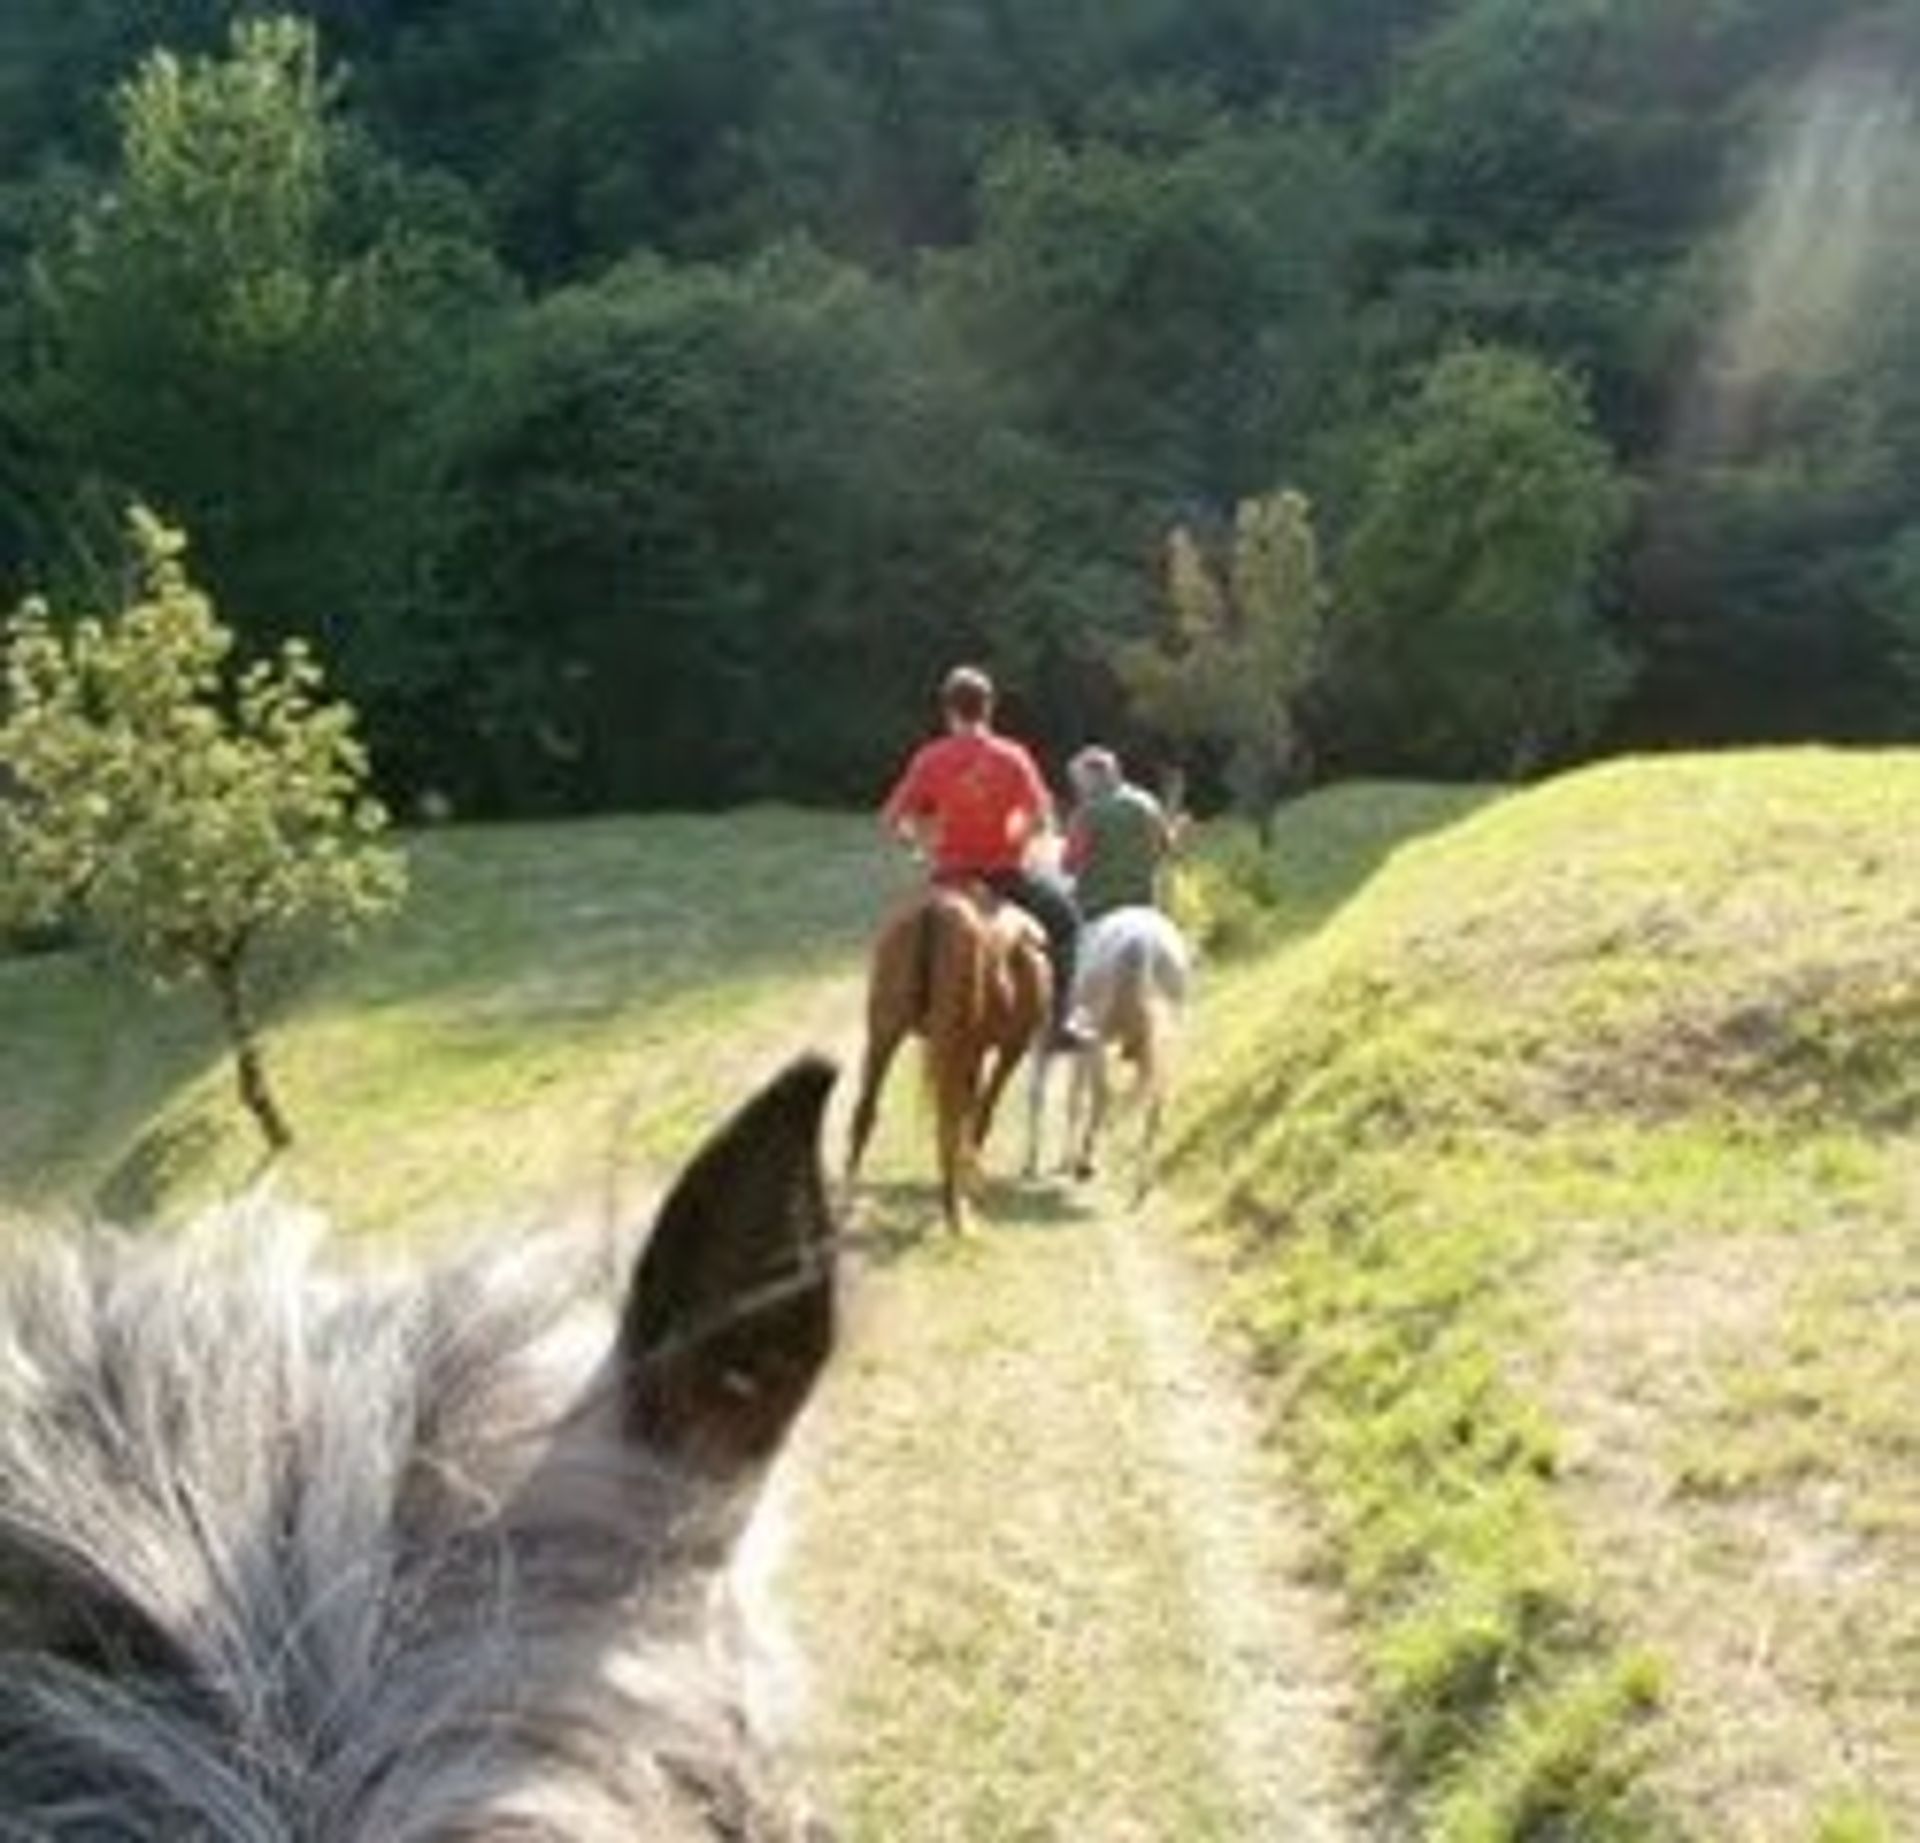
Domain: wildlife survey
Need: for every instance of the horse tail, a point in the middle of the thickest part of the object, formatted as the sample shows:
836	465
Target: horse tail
926	934
950	965
954	948
1135	1000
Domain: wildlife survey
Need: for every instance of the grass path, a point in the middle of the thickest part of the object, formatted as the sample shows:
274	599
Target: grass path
1042	1575
1040	1570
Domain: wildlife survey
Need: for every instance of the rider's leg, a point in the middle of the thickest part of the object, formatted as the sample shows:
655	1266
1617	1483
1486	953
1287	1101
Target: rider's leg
1052	906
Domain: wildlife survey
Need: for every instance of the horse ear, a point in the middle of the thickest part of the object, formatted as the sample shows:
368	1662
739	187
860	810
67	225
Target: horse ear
731	1312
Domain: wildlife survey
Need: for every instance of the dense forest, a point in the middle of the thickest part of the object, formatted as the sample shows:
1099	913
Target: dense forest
641	401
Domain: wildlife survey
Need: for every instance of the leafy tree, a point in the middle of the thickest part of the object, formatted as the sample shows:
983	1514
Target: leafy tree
1098	266
1244	648
714	524
253	324
192	812
1174	316
1592	129
1467	637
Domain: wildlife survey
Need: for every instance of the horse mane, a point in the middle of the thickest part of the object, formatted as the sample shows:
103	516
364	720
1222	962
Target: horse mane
287	1554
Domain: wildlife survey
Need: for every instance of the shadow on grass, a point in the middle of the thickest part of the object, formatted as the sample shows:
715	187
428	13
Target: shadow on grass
891	1220
1328	846
90	1064
138	1186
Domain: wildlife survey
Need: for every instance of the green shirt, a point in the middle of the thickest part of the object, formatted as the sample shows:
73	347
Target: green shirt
1114	850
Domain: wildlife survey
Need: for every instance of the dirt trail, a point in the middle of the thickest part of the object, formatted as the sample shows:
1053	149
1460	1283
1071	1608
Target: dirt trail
1042	1567
1282	1686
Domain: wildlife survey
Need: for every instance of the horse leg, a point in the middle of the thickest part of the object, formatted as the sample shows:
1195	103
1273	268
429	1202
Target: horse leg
881	1045
1091	1074
1004	1062
1149	1139
955	1081
1037	1108
1155	1075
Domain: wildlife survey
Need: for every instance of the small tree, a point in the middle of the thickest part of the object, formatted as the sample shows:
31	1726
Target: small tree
189	811
1243	648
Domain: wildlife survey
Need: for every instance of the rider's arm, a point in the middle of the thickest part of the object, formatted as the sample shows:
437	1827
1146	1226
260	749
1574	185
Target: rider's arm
906	808
911	812
1036	801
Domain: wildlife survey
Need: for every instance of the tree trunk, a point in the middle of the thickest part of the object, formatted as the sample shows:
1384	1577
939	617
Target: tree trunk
249	1064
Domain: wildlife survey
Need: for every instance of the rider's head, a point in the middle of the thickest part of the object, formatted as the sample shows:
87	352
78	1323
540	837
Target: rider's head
966	697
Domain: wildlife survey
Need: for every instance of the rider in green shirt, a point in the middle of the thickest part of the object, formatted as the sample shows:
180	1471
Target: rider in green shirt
1117	839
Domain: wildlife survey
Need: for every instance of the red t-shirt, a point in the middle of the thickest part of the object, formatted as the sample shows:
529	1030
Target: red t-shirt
984	796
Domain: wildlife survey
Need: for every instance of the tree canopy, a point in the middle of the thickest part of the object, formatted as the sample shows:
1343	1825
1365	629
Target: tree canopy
641	403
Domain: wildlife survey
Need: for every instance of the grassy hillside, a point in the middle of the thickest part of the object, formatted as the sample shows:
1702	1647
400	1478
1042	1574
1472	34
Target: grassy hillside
1573	1177
1568	1159
555	1004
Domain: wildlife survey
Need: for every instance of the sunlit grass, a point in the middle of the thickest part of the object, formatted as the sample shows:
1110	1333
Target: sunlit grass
1565	1144
1573	1176
555	1004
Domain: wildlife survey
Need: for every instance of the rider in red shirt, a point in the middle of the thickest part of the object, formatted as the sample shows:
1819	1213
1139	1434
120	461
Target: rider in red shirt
976	802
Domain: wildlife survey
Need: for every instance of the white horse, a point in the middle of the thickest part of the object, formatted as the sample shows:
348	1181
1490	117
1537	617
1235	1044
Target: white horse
1130	988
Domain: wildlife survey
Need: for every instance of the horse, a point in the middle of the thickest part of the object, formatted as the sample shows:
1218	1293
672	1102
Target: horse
970	974
1131	991
299	1554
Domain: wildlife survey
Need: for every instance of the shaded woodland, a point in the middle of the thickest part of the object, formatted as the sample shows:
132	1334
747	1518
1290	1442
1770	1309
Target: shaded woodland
638	402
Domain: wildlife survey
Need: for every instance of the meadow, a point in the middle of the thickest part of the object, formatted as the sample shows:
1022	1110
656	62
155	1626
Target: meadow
1546	1161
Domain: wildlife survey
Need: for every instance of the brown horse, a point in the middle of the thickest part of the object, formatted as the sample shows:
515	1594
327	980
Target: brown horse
970	974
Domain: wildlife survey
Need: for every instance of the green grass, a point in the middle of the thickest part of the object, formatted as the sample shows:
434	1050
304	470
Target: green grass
1233	896
992	1590
991	1575
1564	1144
1572	1174
555	1005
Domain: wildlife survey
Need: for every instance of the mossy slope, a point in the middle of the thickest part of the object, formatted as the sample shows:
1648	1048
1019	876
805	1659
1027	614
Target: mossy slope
1648	1033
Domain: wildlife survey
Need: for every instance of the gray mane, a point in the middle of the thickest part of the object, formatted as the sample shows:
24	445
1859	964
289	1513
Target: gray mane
294	1554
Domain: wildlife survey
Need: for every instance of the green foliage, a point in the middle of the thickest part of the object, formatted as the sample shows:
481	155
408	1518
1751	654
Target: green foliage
1467	637
1853	1820
705	515
1787	491
194	814
1223	894
1150	257
1513	125
1174	313
250	324
1244	649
